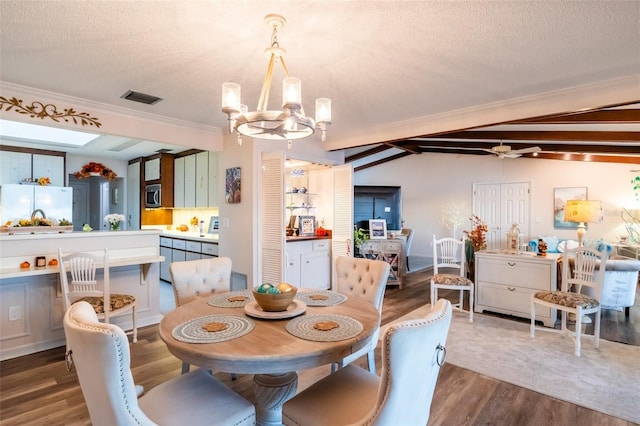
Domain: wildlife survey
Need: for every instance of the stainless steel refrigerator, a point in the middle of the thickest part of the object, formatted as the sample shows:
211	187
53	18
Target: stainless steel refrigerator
20	201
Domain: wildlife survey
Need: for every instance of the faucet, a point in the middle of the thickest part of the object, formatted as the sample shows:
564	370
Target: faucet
33	214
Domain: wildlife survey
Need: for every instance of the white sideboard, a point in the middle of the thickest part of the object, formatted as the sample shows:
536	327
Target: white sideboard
505	282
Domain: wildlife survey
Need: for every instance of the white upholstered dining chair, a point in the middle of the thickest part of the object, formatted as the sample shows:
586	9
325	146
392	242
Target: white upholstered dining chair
364	279
100	354
81	268
412	353
199	278
581	267
449	253
192	279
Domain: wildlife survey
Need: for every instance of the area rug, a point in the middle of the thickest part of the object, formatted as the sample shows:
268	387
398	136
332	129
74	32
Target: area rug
605	379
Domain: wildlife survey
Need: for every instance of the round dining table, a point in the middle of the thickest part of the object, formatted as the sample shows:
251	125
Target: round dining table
268	351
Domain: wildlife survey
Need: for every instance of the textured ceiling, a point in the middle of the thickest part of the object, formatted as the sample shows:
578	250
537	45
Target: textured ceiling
383	63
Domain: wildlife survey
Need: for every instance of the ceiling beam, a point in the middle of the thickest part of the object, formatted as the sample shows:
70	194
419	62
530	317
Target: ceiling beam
611	116
558	135
381	161
367	153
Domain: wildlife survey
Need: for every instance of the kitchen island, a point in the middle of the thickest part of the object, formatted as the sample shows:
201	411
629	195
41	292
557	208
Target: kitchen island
31	300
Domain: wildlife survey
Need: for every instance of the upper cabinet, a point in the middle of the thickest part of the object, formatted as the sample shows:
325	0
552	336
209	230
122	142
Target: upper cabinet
159	169
196	180
152	169
16	166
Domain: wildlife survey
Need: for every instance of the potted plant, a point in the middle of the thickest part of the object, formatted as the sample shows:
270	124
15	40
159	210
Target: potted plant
359	237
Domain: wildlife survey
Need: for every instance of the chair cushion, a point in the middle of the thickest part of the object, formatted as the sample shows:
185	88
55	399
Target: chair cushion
451	279
118	301
567	298
196	398
343	398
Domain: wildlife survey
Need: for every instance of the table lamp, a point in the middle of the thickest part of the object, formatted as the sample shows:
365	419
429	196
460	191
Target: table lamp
583	211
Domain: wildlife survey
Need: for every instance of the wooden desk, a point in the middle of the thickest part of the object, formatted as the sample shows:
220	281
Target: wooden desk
268	351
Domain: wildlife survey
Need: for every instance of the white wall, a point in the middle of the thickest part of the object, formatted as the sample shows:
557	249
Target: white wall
429	181
240	240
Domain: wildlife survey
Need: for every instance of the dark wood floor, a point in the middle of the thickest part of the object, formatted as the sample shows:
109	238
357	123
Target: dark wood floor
38	390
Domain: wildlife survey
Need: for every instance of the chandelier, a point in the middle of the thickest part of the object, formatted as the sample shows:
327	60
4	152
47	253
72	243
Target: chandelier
289	123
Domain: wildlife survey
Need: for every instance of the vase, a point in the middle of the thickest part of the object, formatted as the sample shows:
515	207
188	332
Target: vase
115	226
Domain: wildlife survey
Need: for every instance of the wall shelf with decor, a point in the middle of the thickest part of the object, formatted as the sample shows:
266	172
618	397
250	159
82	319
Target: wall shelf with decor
300	200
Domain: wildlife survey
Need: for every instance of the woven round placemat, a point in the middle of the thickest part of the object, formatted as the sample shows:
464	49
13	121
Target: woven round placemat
222	300
192	332
304	328
332	298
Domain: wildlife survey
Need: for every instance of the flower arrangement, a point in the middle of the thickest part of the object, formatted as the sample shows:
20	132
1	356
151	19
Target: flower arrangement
92	168
477	234
114	220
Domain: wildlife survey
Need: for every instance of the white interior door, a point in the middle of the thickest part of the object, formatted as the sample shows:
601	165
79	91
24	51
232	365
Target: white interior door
486	205
500	205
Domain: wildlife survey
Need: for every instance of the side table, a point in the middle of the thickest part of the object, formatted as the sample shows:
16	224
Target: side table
390	251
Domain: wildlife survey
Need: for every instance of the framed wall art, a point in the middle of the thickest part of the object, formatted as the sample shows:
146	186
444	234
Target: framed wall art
232	186
306	225
560	197
378	229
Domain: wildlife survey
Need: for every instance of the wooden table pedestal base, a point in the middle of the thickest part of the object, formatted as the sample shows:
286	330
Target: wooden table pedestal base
272	391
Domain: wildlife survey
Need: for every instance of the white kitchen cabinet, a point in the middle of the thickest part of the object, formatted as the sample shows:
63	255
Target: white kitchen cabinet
14	166
209	250
212	183
201	184
504	283
309	263
195	180
190	181
133	196
165	274
152	169
181	249
178	182
315	269
51	166
17	166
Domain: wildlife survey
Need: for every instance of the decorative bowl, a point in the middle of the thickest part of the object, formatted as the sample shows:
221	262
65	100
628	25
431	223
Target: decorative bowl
275	302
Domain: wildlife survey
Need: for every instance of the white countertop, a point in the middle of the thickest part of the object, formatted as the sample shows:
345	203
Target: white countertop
75	234
193	236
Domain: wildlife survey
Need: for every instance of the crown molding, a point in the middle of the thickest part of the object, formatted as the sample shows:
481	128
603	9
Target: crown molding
114	120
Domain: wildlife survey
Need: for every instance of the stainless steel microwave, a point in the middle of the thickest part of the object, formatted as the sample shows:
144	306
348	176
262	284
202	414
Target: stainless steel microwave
153	196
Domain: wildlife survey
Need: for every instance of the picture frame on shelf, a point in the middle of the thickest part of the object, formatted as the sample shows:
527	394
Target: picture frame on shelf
214	225
560	197
306	225
378	229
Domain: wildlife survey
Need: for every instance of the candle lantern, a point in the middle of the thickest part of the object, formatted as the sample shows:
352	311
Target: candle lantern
513	239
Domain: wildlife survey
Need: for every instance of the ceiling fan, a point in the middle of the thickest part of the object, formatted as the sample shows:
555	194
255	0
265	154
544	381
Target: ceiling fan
503	151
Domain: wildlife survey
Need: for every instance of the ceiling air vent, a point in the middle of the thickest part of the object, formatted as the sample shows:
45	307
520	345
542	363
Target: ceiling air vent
132	95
